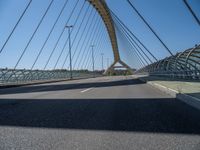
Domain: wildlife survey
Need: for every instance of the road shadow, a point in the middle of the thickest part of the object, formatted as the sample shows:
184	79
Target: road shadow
197	95
129	115
68	86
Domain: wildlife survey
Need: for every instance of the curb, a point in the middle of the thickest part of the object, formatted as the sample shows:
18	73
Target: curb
190	100
164	89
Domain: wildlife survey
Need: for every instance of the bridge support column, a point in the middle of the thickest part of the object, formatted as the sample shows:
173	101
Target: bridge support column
111	69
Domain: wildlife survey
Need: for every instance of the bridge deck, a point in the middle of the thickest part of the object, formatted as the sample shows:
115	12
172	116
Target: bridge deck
101	113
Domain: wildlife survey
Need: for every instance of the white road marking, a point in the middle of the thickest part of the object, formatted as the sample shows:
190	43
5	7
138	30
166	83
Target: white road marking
86	90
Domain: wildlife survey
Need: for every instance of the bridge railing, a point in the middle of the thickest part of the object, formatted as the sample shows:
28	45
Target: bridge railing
185	75
23	76
188	75
185	65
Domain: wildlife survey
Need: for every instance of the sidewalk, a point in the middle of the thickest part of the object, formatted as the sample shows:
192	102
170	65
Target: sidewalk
191	88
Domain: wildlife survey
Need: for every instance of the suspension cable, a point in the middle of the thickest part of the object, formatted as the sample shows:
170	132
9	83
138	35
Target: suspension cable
191	11
98	38
64	46
137	39
88	43
50	33
13	30
152	30
130	50
25	49
133	44
140	55
85	50
61	34
85	38
100	43
89	27
78	33
98	47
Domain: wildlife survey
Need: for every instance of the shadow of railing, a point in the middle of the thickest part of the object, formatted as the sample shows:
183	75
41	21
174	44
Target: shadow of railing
69	86
130	115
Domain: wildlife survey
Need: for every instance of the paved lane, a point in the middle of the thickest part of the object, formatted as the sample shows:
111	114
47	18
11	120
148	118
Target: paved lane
97	114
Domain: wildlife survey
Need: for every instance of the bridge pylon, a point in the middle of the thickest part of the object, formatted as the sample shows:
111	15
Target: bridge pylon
112	67
104	12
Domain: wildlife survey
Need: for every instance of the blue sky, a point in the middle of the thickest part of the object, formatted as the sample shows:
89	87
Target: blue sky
170	19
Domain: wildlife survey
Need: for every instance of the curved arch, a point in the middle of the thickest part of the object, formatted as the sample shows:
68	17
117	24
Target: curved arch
103	10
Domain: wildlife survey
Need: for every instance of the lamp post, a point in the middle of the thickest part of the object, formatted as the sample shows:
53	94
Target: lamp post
92	46
107	62
70	53
102	54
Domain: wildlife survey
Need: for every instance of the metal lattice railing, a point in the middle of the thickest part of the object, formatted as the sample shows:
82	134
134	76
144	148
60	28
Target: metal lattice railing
184	65
10	76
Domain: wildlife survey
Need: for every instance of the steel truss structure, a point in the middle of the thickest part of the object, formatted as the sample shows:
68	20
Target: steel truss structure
185	65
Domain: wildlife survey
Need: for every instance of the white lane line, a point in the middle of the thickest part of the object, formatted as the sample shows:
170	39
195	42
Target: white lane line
86	90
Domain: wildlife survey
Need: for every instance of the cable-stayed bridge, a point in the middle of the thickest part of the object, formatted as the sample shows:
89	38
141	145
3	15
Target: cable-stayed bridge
58	85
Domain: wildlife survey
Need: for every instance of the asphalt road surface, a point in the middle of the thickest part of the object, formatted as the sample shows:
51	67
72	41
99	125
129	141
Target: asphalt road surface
107	113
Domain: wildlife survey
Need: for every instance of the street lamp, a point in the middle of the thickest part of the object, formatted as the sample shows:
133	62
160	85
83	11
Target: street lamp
107	62
70	53
92	46
102	61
